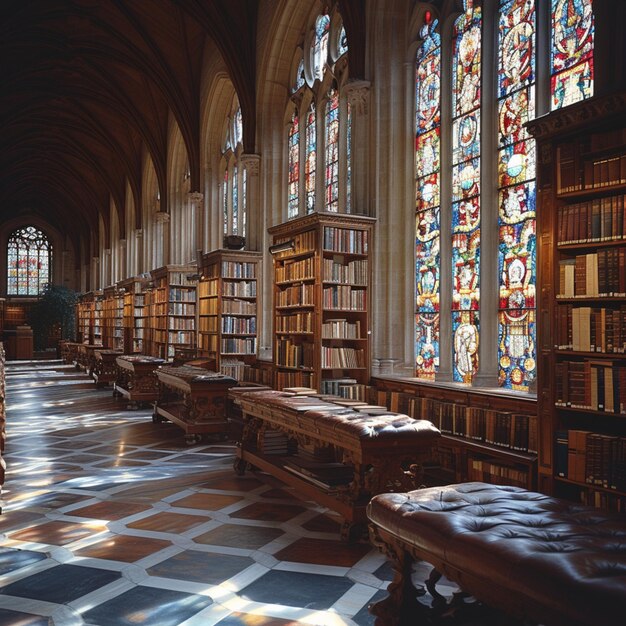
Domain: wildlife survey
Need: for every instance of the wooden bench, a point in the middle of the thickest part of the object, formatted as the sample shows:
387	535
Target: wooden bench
105	367
136	379
336	455
532	556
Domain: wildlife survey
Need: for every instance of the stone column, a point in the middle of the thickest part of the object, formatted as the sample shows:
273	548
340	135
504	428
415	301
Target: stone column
138	252
95	273
195	199
251	163
162	222
107	271
358	94
122	261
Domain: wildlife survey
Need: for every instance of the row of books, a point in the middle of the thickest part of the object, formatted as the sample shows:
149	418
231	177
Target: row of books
496	473
275	442
589	329
348	358
182	295
237	269
345	297
241	289
600	219
181	308
238	325
299	322
341	329
208	323
173	336
603	500
596	274
232	345
345	240
354	272
347	388
295	295
303	269
295	379
207	288
592	458
233	307
591	385
302	242
289	354
234	368
178	279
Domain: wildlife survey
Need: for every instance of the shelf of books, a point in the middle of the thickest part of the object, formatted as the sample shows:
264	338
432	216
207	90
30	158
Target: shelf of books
582	248
134	314
227	310
485	437
112	310
321	302
89	318
171	310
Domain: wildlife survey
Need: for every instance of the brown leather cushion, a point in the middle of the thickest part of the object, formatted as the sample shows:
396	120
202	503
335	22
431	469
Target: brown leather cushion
556	556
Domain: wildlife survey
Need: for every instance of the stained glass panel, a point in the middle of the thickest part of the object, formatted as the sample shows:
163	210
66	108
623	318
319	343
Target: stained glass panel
225	198
294	167
235	200
465	339
331	164
349	161
427	200
28	262
516	196
320	48
299	77
427	344
244	198
342	42
311	155
571	51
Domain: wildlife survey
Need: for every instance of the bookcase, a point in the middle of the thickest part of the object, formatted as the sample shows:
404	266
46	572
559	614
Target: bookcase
134	315
321	302
89	318
486	436
227	309
582	301
112	312
172	310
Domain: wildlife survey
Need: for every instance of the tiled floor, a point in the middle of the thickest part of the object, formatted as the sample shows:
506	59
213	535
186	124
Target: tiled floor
111	520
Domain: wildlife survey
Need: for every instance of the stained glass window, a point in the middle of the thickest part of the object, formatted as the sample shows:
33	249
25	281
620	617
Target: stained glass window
244	201
311	155
516	196
571	52
349	161
466	77
342	44
299	77
235	200
331	162
294	167
29	254
320	47
225	199
427	220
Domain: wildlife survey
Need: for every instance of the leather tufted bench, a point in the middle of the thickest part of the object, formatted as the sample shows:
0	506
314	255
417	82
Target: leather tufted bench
533	556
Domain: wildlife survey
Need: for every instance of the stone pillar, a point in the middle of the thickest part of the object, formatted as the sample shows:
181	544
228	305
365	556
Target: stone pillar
162	222
95	273
358	94
122	261
195	199
251	163
138	252
106	272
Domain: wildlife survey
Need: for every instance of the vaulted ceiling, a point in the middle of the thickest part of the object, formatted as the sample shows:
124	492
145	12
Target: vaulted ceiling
86	85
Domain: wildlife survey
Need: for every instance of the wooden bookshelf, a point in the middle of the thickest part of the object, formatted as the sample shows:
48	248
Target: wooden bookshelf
112	323
89	318
486	436
172	310
227	309
134	314
582	302
321	303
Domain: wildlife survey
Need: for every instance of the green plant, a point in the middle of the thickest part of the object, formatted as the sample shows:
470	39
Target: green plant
55	310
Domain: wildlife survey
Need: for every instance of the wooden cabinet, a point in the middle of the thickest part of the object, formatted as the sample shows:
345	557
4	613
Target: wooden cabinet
112	311
321	303
582	301
134	315
172	310
227	309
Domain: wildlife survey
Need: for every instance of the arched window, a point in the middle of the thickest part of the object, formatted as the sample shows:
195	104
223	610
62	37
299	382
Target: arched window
29	256
319	128
234	182
505	212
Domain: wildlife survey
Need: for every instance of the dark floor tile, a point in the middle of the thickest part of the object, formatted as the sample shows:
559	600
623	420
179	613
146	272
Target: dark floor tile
239	536
12	559
311	591
247	619
268	512
17	618
60	584
55	499
201	567
232	483
324	552
364	617
146	606
323	524
385	571
278	494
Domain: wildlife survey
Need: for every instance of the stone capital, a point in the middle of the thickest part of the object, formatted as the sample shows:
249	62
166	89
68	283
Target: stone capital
358	94
96	260
139	233
161	217
195	198
252	163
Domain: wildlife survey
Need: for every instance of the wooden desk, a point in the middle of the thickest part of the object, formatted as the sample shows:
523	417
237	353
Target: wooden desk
136	379
359	454
194	399
105	367
86	357
69	352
